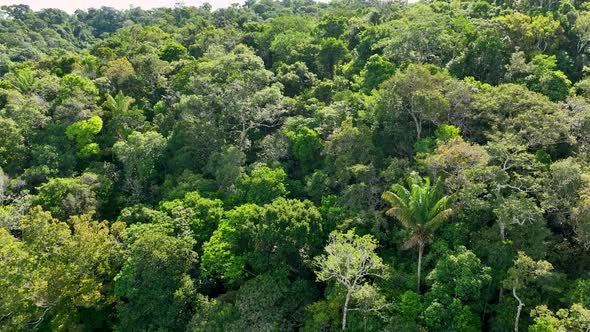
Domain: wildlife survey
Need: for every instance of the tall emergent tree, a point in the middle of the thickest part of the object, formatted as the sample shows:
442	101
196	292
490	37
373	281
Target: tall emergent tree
421	208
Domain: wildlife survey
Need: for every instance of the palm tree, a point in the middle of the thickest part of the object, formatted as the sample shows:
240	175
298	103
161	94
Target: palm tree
119	103
22	80
421	208
119	106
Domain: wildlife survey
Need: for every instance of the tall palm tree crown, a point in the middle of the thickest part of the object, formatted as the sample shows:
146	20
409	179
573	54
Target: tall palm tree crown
421	208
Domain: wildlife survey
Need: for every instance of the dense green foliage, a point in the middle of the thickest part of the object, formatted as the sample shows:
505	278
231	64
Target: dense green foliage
269	166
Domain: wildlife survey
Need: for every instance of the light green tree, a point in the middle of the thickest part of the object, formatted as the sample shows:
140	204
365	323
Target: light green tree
83	132
12	144
195	212
418	93
52	271
252	239
306	146
140	154
65	197
524	271
349	259
582	30
573	319
263	185
376	71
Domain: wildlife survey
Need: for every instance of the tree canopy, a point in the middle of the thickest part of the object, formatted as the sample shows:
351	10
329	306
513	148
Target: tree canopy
268	166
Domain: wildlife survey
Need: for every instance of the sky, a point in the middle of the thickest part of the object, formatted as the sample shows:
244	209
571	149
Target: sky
71	5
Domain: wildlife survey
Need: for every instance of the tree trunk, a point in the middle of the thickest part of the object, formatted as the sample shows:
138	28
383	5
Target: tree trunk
502	231
518	310
345	309
418	124
420	252
243	137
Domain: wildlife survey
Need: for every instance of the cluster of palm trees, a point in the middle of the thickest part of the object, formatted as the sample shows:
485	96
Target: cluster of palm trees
421	208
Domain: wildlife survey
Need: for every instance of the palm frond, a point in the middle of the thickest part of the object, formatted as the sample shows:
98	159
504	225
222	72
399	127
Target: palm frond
420	207
402	215
394	199
411	242
434	223
402	192
440	205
